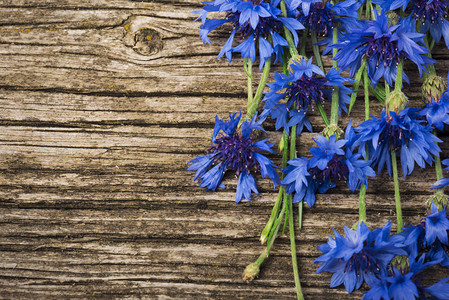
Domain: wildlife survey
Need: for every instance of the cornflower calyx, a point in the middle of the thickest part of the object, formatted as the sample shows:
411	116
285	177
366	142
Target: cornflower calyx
400	263
332	129
433	87
396	102
439	198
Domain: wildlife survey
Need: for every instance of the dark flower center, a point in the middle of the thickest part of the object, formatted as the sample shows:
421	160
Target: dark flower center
320	19
363	261
394	136
264	28
382	49
434	11
235	153
336	170
304	90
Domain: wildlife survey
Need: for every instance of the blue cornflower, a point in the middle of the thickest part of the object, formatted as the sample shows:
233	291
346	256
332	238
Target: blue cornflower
432	14
359	256
430	237
329	163
436	113
258	22
401	132
234	150
304	86
437	226
404	282
384	47
324	17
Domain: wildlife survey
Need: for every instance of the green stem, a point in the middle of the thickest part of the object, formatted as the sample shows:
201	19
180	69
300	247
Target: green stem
322	113
387	90
293	247
357	78
362	194
302	50
398	84
287	33
286	212
271	238
368	10
397	195
335	100
430	68
258	96
366	88
378	92
438	168
275	211
316	50
274	215
248	66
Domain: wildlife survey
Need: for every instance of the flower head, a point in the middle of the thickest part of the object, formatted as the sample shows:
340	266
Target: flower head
256	21
401	132
329	164
437	226
403	282
432	14
383	47
234	150
359	256
322	18
304	87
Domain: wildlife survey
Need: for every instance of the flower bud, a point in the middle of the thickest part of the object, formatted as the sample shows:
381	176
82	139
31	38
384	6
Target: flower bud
401	263
331	129
251	272
439	198
396	102
433	87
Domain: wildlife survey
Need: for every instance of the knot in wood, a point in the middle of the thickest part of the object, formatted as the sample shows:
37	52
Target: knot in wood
147	41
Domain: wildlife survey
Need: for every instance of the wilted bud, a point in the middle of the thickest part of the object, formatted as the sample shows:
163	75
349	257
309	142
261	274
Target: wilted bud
401	263
433	87
396	102
251	272
331	129
439	199
293	59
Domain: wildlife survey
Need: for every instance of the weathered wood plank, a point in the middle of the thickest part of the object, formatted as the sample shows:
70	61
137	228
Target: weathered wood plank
96	133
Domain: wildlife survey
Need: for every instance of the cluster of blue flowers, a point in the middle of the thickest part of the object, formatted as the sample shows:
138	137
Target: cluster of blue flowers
392	265
329	163
377	47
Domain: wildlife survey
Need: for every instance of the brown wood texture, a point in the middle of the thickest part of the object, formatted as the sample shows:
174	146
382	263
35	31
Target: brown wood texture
102	105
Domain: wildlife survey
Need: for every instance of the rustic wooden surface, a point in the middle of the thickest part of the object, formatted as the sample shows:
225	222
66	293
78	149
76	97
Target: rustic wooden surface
102	104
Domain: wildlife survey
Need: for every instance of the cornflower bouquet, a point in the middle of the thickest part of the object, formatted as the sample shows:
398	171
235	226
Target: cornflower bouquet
369	42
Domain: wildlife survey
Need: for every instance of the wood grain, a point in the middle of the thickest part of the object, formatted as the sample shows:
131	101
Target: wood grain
97	128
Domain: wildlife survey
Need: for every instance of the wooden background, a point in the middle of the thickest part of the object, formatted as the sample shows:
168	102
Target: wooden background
102	104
